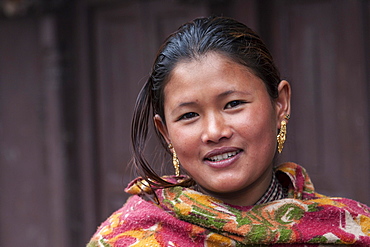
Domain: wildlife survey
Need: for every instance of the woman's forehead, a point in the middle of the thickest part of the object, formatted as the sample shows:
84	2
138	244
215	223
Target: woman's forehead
213	74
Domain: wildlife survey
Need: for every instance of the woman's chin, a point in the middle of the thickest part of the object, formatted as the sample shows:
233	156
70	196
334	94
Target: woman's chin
224	188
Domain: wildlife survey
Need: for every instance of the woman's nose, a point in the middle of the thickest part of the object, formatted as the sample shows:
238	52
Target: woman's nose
215	128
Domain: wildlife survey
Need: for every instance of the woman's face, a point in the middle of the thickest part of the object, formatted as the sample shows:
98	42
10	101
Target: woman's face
223	125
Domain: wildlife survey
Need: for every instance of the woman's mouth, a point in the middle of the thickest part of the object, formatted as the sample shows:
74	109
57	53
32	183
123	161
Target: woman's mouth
224	156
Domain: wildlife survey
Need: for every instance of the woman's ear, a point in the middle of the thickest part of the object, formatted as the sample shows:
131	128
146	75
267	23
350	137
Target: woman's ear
283	101
161	127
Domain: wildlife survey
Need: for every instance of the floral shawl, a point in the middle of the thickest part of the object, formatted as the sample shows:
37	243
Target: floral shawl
185	217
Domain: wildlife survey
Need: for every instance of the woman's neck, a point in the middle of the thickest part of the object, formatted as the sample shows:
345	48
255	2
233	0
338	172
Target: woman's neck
247	196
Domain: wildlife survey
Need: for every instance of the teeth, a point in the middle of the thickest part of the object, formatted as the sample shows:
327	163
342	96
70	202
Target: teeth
222	156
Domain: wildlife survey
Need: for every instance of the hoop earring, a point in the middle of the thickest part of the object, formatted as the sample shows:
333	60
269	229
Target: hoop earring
281	137
175	160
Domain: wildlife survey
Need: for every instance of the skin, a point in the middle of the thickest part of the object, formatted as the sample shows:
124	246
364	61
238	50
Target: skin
215	106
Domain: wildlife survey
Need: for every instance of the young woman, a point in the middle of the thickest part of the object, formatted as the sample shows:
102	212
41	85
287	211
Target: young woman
220	107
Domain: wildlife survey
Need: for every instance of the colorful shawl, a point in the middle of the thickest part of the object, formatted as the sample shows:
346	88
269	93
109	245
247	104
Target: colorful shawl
185	217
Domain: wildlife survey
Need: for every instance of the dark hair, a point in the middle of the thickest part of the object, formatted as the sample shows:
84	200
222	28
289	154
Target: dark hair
191	41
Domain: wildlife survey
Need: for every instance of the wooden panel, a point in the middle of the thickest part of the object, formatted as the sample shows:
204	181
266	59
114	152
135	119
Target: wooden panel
118	40
127	37
84	225
31	162
320	47
245	11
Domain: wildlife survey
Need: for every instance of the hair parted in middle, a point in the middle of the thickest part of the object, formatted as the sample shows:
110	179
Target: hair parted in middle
193	40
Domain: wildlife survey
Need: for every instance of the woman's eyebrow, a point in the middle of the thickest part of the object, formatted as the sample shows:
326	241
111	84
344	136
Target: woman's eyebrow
228	92
190	103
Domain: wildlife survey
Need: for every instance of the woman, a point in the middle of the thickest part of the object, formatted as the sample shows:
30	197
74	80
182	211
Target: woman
221	109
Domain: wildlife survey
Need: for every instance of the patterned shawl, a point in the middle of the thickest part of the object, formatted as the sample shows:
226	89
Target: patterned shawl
185	217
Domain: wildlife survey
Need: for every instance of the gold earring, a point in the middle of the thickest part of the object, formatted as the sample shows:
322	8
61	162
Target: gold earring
175	160
281	137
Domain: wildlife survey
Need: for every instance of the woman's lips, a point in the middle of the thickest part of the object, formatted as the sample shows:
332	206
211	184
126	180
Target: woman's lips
222	157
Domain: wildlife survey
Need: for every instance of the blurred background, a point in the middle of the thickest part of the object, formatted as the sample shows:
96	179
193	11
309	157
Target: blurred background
70	72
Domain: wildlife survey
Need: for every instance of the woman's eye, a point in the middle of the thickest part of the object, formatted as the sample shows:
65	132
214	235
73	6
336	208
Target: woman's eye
234	103
188	115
